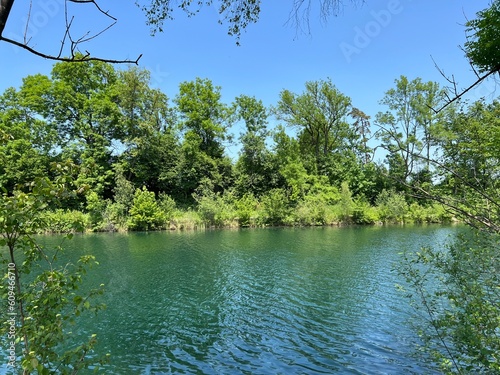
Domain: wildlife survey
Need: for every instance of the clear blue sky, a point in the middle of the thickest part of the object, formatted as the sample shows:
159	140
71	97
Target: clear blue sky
363	50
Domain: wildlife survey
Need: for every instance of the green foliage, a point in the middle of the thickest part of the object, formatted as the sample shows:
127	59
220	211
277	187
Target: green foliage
346	203
95	208
392	206
246	210
215	209
167	206
458	291
48	301
204	115
187	219
238	15
145	213
434	213
23	153
483	45
314	210
320	116
407	129
66	221
274	208
363	213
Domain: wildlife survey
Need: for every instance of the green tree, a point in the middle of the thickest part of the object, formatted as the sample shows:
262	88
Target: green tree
203	115
319	114
457	288
254	170
204	120
47	301
361	126
483	42
79	101
470	164
407	128
26	155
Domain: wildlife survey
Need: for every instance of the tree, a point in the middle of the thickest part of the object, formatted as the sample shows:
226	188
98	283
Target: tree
42	305
204	120
203	115
150	140
457	287
254	171
483	44
362	127
407	128
26	154
145	214
470	164
481	49
320	116
80	102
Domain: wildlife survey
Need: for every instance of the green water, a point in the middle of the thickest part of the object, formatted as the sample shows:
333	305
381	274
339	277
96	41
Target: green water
266	301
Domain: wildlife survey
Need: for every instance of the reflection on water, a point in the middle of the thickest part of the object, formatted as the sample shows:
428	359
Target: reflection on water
266	301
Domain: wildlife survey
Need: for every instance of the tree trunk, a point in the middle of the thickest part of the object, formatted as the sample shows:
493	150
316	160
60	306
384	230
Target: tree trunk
5	7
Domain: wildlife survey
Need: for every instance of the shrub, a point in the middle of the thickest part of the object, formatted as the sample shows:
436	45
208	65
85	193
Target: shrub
392	206
274	207
167	206
95	208
246	210
363	213
66	221
145	214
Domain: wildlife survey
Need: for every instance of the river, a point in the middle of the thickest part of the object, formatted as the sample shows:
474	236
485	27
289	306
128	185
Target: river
255	301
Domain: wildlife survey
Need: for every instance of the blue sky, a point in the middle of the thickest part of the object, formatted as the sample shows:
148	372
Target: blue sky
363	50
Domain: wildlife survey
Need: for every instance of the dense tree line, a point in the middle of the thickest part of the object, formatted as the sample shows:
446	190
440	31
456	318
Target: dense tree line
142	161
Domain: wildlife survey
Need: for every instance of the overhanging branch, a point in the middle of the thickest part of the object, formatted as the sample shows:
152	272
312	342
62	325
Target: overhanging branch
73	55
72	58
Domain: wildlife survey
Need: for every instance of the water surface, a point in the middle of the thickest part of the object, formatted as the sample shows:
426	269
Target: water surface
265	301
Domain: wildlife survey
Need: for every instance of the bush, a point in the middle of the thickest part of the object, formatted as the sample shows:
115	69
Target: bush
66	221
274	207
392	206
145	214
167	206
363	213
314	210
186	220
216	210
345	204
95	208
246	210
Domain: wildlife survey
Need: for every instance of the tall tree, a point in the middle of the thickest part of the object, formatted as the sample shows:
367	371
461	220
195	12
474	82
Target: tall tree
319	114
406	129
254	170
203	115
204	121
26	145
80	102
361	126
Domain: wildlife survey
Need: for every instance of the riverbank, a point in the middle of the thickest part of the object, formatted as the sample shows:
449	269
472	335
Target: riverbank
253	216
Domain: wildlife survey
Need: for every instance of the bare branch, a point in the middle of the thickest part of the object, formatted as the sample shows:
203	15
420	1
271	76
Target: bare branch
72	58
6	6
457	96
